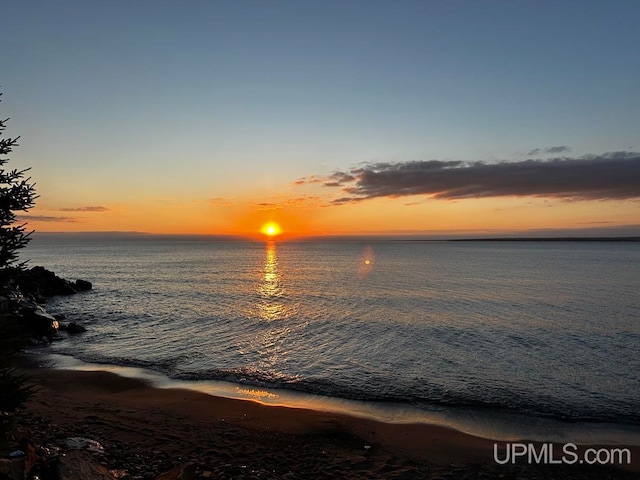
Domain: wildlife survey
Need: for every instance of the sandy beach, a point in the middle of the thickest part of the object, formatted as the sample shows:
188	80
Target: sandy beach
147	430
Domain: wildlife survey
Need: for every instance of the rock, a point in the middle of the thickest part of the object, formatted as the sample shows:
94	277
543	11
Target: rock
188	472
59	316
12	469
173	474
28	306
82	443
82	285
32	459
39	322
74	328
184	472
78	464
4	304
40	281
39	298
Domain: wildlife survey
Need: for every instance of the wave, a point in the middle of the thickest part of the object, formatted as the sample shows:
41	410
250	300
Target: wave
497	401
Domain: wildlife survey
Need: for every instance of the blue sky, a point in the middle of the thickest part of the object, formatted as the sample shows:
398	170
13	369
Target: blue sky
234	99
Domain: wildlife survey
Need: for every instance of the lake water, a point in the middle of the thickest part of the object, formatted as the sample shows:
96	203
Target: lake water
548	330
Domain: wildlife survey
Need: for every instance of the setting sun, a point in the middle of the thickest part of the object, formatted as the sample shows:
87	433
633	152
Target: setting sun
271	229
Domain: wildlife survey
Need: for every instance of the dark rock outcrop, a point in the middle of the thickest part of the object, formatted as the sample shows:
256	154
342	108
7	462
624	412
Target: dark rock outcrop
74	328
38	281
82	285
29	288
12	469
37	320
79	464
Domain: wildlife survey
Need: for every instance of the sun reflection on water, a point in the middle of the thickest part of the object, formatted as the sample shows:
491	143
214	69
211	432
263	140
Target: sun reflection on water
270	290
250	392
272	294
273	306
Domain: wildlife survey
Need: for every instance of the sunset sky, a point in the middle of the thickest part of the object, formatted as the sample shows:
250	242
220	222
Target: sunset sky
333	117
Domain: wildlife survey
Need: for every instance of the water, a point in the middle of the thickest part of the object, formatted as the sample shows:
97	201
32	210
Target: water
546	330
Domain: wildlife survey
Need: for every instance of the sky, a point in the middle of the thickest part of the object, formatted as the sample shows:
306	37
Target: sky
329	118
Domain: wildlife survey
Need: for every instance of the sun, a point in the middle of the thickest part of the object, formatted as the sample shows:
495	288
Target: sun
271	229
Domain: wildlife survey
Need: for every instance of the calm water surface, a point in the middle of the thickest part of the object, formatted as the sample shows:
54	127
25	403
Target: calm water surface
544	329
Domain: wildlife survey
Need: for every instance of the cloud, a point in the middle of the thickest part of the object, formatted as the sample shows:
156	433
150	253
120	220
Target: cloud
336	179
340	178
265	206
45	218
310	179
85	209
220	201
551	150
609	176
304	202
343	200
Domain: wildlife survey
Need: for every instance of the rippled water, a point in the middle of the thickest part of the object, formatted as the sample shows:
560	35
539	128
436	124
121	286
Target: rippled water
549	329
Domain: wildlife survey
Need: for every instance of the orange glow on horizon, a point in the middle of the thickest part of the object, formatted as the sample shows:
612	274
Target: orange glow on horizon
247	218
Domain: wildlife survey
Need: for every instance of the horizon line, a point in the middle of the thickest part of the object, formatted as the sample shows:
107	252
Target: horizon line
610	232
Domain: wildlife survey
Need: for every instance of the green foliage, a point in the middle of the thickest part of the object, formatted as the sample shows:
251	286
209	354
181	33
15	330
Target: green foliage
17	194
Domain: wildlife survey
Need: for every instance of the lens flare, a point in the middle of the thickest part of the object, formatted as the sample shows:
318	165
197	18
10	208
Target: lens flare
366	261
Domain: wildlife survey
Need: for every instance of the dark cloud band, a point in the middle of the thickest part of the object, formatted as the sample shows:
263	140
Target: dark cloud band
609	176
45	218
85	209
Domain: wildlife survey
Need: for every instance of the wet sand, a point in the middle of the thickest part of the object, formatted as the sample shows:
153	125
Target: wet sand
242	439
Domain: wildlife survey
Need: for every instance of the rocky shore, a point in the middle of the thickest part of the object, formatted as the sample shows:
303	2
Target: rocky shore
28	292
24	318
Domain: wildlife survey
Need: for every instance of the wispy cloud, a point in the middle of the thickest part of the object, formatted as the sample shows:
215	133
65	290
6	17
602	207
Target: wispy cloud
46	218
267	206
222	202
304	202
549	150
311	179
85	209
614	175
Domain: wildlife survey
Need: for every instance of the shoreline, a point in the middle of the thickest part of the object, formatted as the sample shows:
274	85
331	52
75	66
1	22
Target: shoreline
482	423
212	431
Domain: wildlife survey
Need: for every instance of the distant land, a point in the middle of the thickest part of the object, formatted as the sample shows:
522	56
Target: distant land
548	239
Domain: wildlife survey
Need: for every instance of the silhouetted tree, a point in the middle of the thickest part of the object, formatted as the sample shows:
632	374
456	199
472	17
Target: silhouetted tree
17	194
